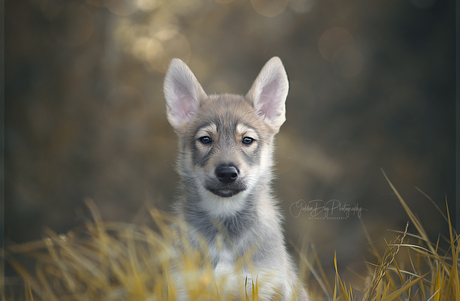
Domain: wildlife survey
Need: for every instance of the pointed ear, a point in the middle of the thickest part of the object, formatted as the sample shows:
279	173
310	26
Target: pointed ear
268	93
182	92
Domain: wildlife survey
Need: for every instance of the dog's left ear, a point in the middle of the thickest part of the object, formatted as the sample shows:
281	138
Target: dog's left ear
268	93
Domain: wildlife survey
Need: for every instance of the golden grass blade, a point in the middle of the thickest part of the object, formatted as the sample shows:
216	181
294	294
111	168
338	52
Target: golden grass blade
25	247
85	265
422	289
411	262
325	282
424	251
432	202
378	291
437	286
334	296
171	293
412	216
62	266
380	271
436	294
342	288
404	288
255	290
321	279
368	237
408	234
97	220
26	276
394	261
453	282
302	276
386	290
29	294
48	291
121	261
404	272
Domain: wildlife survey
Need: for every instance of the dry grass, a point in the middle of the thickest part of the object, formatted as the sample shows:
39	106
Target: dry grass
119	261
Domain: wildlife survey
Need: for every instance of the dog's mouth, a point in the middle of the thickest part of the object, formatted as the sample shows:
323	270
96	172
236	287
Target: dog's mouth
225	192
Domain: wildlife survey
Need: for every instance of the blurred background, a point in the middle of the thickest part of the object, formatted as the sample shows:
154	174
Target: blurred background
371	86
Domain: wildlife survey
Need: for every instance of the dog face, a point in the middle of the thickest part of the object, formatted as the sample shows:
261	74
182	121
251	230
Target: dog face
225	140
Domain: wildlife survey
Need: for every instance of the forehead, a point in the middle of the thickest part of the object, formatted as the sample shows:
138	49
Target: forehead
228	112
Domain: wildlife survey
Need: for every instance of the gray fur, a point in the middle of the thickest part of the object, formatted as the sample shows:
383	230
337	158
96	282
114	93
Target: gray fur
249	217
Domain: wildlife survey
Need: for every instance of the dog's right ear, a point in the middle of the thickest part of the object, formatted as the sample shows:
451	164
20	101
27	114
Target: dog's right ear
182	92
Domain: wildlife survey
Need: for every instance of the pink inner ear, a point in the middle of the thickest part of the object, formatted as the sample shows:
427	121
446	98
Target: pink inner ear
185	108
269	100
185	104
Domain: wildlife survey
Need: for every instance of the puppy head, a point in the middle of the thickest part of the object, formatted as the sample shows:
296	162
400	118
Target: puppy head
184	94
225	140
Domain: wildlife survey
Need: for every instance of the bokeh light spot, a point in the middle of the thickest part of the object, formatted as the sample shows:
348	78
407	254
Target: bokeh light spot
269	8
140	47
166	45
348	61
124	106
333	39
73	26
122	7
154	51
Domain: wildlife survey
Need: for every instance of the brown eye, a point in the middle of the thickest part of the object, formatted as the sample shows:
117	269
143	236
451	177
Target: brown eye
205	139
247	140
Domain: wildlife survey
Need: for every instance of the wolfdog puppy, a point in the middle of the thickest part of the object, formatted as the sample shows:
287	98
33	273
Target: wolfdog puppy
225	164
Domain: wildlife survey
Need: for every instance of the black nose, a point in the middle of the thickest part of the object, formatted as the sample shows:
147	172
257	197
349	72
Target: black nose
227	173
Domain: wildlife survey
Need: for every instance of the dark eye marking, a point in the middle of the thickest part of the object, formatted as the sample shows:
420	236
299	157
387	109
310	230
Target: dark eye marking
247	140
205	139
